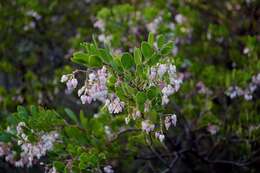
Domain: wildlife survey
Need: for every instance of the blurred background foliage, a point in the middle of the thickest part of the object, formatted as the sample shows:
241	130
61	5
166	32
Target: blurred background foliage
217	43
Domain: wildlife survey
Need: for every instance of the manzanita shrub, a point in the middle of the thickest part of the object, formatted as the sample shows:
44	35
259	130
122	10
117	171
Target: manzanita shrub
134	89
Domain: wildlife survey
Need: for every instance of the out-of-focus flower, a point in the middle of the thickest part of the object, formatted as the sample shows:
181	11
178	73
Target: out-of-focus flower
160	136
147	126
100	24
234	91
114	105
170	120
212	129
108	169
180	19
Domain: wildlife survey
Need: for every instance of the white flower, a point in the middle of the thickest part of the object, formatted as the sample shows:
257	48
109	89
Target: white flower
108	169
152	73
32	151
170	120
100	24
248	96
160	136
105	39
172	69
256	79
212	129
83	99
81	90
53	170
136	114
246	50
147	126
114	104
234	91
72	84
127	119
153	26
174	119
162	69
168	90
165	100
92	76
95	87
180	18
108	130
64	78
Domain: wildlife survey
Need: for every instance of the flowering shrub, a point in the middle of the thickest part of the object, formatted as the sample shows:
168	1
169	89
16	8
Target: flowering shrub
136	85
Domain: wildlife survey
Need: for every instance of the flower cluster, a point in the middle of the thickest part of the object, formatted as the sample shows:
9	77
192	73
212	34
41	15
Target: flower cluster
165	76
235	91
100	24
30	152
160	136
147	126
94	89
153	26
114	104
170	120
71	82
202	89
180	19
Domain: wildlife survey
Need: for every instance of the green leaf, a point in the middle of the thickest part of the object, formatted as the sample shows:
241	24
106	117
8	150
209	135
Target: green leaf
147	50
151	39
105	56
76	135
83	120
117	65
33	110
127	60
140	100
167	48
153	92
154	59
94	61
160	41
137	56
80	58
59	166
5	137
71	115
22	112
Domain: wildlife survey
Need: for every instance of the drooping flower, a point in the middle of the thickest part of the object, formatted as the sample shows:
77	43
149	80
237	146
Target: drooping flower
30	152
212	129
168	86
160	136
170	120
64	78
114	104
72	84
234	91
100	24
147	126
108	169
